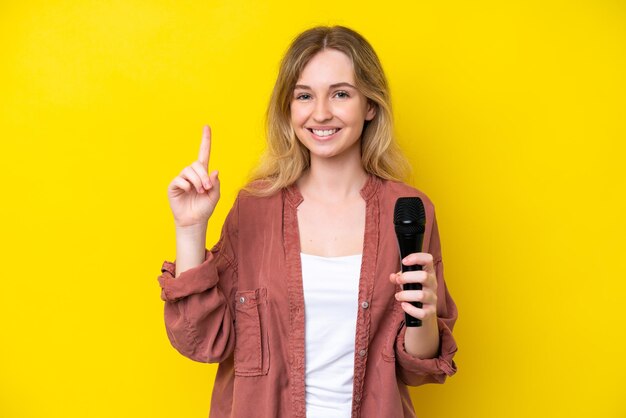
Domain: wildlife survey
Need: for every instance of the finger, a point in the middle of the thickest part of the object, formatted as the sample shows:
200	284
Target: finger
410	296
179	185
192	177
202	173
416	296
205	147
415	312
419	276
422	259
215	186
214	179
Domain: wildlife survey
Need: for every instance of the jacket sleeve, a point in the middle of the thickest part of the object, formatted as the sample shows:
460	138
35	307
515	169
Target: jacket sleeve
198	311
412	370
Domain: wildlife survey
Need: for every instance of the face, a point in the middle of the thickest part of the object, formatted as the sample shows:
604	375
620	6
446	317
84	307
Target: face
327	111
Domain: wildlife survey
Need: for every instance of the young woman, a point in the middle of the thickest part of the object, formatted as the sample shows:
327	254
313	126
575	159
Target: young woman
300	302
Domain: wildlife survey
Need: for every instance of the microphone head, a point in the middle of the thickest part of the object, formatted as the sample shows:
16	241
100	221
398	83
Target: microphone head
409	216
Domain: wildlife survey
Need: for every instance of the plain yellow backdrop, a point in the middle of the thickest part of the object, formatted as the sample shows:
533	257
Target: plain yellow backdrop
513	117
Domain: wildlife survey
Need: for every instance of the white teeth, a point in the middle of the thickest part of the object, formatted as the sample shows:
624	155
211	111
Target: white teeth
324	132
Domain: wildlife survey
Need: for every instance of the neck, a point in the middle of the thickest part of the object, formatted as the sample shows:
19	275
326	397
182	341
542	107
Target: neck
334	179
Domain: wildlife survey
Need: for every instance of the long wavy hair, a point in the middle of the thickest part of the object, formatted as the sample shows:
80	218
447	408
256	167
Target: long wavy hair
285	158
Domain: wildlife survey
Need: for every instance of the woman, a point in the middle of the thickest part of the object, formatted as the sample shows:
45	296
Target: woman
300	300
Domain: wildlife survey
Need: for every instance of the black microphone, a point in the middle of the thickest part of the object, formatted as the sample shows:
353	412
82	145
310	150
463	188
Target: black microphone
409	219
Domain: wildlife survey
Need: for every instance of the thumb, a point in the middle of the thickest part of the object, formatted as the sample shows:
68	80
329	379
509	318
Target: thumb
214	178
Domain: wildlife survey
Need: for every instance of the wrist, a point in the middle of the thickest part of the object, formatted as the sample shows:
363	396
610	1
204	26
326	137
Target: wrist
194	230
422	342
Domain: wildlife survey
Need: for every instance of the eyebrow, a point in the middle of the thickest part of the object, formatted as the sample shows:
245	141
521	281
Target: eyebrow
332	86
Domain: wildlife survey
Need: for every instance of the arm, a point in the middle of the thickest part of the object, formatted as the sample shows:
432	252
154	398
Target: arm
198	311
425	354
190	242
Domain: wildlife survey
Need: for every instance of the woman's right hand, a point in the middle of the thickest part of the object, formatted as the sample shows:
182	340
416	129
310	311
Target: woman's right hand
193	194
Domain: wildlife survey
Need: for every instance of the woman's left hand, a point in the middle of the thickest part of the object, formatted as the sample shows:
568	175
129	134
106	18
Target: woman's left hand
428	295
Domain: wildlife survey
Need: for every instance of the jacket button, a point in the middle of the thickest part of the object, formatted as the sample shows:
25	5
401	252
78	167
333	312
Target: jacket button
362	353
365	305
242	299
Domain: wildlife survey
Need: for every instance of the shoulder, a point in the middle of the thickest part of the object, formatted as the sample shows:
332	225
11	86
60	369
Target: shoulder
253	217
247	202
392	190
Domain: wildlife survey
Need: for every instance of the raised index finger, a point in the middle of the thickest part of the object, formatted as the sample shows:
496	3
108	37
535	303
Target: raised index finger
205	146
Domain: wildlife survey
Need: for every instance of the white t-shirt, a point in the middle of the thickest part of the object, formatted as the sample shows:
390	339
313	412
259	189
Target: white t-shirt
331	290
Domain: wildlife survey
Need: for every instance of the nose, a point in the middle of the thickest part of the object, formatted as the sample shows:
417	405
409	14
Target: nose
322	111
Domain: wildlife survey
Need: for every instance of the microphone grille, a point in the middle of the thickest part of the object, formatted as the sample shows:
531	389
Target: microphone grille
409	211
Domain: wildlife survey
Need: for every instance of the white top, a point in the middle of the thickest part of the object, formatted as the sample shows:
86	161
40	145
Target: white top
331	291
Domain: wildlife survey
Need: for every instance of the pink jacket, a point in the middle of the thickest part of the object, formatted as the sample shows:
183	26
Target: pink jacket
243	308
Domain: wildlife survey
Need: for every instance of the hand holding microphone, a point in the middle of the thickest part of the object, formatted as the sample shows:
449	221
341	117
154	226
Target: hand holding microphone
418	277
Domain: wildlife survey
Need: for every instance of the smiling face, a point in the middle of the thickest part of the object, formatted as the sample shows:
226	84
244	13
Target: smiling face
327	111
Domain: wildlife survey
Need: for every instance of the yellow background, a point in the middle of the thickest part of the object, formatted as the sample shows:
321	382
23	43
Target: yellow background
512	114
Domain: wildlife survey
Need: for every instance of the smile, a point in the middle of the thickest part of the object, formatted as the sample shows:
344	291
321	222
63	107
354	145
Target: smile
324	133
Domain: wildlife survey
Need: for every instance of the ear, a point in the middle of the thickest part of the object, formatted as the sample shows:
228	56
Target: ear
371	110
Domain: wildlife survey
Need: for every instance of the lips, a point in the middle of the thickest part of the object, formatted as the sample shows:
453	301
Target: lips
323	133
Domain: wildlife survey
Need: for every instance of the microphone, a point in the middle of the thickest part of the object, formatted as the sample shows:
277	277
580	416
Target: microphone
409	219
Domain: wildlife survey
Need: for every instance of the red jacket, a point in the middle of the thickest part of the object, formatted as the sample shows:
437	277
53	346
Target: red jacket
243	307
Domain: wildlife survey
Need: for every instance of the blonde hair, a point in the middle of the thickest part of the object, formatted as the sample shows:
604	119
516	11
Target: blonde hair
285	158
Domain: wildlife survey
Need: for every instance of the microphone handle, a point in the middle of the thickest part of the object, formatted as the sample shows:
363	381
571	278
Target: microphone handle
408	244
410	321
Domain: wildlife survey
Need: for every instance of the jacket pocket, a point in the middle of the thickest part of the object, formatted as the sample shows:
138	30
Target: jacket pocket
251	339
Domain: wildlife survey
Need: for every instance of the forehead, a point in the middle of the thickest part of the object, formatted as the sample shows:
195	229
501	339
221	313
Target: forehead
327	67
